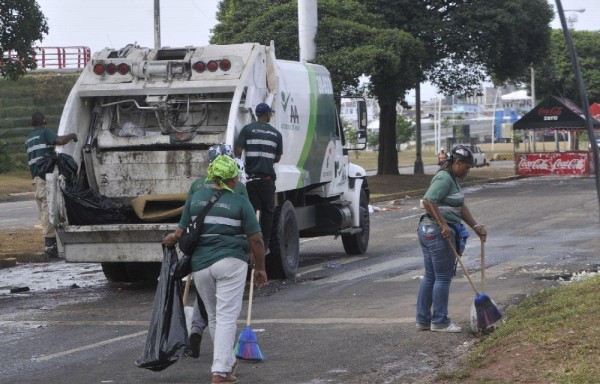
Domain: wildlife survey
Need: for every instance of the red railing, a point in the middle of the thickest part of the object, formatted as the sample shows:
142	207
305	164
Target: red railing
58	57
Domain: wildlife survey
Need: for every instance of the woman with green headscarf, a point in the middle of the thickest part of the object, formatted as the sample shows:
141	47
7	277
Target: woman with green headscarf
220	262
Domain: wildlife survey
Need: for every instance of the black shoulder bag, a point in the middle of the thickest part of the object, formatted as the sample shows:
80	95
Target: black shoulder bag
190	238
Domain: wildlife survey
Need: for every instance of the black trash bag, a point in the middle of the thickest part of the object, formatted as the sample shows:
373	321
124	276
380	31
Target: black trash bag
45	164
86	206
68	168
167	339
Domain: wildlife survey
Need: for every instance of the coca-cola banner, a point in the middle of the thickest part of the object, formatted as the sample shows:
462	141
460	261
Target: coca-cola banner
564	163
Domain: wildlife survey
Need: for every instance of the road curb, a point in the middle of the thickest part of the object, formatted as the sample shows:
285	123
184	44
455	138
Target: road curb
421	192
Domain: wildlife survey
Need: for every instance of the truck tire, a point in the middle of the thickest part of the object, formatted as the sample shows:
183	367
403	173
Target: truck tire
131	272
115	272
282	262
358	243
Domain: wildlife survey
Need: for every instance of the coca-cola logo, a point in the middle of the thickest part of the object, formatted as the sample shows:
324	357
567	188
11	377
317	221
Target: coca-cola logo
573	164
537	164
553	164
554	111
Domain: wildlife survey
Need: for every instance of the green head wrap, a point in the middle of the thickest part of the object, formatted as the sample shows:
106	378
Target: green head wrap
222	168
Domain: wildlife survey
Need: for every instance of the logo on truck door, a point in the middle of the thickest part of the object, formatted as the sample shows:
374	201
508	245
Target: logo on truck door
294	122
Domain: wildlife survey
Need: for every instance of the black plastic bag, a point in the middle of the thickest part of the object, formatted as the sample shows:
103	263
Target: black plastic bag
167	339
183	267
86	206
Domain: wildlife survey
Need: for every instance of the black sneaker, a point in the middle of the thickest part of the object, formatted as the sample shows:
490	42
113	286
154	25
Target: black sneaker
195	340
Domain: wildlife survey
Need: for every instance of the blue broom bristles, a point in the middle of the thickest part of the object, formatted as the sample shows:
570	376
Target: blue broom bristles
487	312
247	347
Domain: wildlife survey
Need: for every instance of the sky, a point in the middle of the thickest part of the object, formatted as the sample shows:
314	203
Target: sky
116	23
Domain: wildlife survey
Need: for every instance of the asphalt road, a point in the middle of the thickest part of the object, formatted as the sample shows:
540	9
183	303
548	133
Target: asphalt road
342	320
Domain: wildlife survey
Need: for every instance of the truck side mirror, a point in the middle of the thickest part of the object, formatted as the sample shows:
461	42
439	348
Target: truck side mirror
361	132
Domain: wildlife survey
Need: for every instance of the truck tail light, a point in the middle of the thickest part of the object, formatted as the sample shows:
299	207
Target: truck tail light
111	69
212	65
99	69
123	69
225	65
199	66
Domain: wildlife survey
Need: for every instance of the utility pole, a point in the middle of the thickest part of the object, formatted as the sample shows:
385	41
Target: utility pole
418	169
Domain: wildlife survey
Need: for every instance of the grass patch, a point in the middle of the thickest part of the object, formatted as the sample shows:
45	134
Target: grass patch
15	182
551	337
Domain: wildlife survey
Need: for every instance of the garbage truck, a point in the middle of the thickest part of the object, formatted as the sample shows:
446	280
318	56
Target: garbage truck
145	119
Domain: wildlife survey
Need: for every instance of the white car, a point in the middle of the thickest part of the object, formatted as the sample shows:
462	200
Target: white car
478	156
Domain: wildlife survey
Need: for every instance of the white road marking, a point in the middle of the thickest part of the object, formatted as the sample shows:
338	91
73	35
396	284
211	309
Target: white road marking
89	346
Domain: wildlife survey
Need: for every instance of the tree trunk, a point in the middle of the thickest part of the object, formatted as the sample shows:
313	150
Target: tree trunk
387	162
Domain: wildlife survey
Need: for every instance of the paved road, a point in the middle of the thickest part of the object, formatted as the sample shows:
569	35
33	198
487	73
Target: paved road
343	320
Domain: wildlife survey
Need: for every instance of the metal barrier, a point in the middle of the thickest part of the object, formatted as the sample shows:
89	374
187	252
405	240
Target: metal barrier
58	57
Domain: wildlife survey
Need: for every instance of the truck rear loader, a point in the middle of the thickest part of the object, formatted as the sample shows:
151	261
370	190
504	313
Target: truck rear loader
145	119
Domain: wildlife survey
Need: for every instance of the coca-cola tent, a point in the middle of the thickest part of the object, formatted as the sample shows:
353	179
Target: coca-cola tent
554	113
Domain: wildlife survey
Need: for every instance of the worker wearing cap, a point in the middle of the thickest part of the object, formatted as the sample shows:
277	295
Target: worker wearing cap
263	146
39	143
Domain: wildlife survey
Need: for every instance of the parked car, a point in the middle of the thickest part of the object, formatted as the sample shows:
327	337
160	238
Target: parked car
478	156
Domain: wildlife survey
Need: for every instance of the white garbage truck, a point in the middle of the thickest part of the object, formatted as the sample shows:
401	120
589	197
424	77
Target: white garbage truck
145	119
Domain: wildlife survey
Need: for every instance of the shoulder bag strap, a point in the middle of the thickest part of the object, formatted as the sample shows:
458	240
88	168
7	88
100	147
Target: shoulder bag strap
199	220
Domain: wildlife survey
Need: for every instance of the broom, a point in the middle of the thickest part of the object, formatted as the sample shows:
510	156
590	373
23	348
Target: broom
487	312
247	347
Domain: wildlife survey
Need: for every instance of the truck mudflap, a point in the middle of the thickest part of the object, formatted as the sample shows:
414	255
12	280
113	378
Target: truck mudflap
113	242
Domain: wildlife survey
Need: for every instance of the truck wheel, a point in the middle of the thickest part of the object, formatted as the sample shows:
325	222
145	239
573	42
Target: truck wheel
115	272
282	262
130	272
358	243
145	272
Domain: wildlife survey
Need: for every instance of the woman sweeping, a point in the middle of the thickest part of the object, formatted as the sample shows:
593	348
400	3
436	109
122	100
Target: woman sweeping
220	262
447	200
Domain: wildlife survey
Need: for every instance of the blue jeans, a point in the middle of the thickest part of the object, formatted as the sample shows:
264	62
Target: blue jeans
432	300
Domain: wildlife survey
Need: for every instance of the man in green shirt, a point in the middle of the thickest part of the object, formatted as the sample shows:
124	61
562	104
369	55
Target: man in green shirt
40	143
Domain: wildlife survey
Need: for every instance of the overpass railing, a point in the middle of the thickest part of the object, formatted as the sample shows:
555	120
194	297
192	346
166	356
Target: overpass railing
75	57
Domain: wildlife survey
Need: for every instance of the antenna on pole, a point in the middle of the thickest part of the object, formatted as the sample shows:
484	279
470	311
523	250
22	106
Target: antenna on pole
157	24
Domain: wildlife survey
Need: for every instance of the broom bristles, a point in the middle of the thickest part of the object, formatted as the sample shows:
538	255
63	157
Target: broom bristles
487	312
247	347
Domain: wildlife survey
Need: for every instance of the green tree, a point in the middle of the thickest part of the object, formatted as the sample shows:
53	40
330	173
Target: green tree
405	131
21	24
467	42
555	76
350	42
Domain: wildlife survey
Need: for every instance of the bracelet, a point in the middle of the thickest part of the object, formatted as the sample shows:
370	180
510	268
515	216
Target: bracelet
477	225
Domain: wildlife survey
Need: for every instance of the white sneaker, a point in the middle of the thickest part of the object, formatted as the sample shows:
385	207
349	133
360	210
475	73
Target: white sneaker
451	328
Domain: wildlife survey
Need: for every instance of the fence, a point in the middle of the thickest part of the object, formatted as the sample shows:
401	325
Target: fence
58	57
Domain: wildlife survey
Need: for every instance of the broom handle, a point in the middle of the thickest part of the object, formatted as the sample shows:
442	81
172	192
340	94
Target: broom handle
186	291
482	266
250	297
439	221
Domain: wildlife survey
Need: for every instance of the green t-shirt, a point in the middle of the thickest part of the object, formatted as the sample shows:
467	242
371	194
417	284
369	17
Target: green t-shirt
201	182
225	228
445	192
39	142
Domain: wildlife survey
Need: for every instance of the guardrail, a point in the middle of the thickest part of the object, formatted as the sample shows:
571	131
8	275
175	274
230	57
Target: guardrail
75	57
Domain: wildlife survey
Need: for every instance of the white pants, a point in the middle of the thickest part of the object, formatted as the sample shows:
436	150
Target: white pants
221	287
42	203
